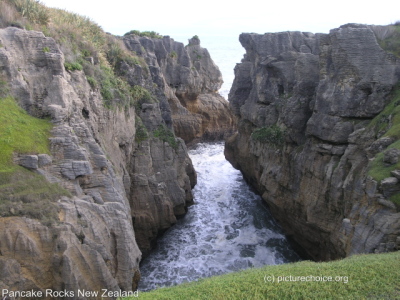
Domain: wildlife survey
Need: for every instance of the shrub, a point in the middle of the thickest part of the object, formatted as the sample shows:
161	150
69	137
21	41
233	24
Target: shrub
150	34
114	90
133	32
92	81
34	11
117	54
141	131
166	135
140	95
16	24
75	66
173	54
272	135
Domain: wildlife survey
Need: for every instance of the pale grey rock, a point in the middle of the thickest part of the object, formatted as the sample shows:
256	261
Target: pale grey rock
189	81
396	173
73	169
380	144
391	156
44	160
28	161
390	186
387	203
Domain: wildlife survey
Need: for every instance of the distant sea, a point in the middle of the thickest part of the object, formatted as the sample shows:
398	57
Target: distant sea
225	51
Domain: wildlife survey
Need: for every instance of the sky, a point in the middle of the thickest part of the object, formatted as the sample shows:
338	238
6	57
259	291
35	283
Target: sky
212	17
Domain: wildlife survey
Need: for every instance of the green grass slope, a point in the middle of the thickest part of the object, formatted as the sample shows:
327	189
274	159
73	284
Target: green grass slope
372	276
22	192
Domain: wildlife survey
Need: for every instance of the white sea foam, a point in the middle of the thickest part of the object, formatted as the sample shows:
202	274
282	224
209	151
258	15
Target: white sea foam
228	229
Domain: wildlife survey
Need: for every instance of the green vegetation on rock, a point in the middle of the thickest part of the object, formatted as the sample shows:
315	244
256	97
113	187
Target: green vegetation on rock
20	132
140	95
150	34
379	170
389	37
73	66
373	276
273	135
141	131
26	194
84	44
386	124
166	135
22	192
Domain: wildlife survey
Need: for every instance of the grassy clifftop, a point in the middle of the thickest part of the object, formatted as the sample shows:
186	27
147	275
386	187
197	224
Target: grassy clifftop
372	276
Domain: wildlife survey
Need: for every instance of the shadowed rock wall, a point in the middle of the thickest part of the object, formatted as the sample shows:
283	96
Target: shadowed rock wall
315	96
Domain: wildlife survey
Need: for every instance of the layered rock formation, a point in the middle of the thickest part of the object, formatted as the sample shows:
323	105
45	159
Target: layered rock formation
190	82
93	246
126	189
305	138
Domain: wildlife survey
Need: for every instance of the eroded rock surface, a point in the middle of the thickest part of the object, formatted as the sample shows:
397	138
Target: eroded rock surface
190	81
319	92
125	192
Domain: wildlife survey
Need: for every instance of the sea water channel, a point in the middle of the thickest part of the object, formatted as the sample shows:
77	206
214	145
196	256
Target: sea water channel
228	229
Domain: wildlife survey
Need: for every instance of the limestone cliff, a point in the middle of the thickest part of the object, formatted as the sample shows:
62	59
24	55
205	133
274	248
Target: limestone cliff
93	244
129	176
307	137
190	81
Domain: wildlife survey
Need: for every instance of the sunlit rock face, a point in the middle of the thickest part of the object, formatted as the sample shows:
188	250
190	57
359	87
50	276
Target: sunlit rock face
124	191
190	81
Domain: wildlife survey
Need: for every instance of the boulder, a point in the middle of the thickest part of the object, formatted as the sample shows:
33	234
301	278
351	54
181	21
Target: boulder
391	156
28	161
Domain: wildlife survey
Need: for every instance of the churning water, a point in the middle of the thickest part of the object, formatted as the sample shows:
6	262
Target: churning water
228	229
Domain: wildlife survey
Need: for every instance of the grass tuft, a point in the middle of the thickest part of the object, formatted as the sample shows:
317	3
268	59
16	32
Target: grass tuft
73	66
166	135
272	135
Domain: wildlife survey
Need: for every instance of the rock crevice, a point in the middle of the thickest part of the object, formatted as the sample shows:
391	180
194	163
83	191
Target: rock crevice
128	175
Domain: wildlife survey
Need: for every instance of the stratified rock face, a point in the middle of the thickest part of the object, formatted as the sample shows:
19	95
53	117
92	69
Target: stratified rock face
320	91
93	246
190	80
120	186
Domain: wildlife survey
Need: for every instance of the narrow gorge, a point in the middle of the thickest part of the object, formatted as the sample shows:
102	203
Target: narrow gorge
95	131
124	174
